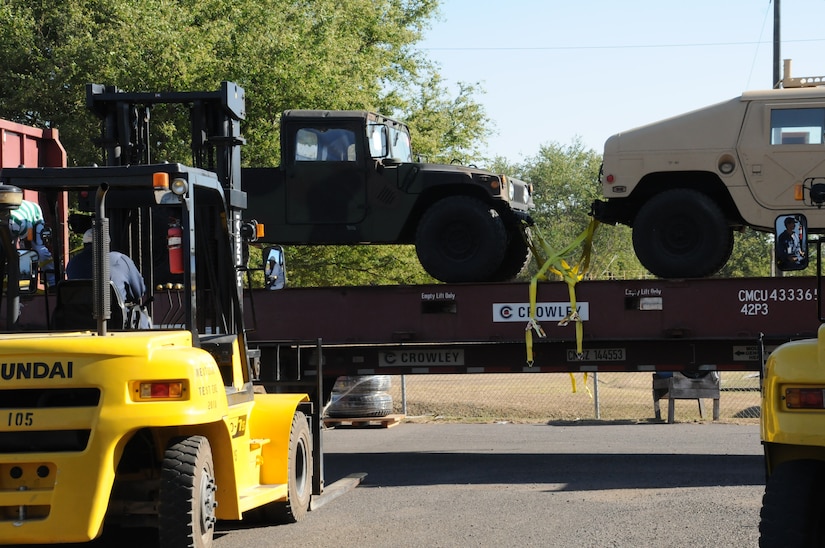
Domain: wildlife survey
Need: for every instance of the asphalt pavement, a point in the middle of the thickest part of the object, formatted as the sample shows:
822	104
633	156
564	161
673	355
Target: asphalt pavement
558	484
561	484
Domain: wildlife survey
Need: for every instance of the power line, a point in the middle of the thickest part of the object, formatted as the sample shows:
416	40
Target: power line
631	46
756	52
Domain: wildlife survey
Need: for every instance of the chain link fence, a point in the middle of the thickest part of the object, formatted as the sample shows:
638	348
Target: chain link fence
541	397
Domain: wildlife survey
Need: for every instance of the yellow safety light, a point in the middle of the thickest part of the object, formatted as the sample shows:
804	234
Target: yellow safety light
798	192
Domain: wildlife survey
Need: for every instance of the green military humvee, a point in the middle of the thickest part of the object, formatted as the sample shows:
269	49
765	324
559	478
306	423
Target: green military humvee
348	177
685	183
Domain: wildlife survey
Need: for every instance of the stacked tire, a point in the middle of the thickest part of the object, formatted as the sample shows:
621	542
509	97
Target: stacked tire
361	396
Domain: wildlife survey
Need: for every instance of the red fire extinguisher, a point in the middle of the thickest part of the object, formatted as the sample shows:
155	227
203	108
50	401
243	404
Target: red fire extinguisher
174	241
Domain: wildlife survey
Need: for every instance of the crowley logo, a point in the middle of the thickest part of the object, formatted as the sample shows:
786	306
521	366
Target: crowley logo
545	311
35	370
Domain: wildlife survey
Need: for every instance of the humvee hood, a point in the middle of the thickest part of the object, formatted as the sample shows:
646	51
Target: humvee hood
713	127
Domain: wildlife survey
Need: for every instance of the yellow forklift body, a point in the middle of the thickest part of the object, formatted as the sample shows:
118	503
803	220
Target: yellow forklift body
93	394
788	432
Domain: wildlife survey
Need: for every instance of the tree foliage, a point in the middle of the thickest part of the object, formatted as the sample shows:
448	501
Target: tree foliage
751	255
286	54
289	54
312	266
565	182
446	129
319	54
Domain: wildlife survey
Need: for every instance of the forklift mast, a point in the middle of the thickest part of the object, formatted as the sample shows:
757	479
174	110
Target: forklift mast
214	123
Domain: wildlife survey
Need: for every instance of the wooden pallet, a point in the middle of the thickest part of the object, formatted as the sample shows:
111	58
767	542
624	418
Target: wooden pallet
364	422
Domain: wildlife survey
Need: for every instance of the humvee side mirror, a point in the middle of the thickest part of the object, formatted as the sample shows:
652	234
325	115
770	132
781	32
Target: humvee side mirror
27	260
274	267
378	139
791	242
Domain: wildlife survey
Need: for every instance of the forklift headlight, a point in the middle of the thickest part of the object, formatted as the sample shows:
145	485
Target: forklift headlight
179	186
10	197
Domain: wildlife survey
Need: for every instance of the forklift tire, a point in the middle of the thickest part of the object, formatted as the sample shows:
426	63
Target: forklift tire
682	233
792	506
186	505
299	480
460	239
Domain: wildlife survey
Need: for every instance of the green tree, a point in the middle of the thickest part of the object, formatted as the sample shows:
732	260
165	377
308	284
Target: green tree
286	54
751	255
313	266
446	129
565	182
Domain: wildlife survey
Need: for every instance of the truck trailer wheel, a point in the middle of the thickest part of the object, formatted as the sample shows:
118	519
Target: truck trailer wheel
792	506
186	506
460	239
299	480
682	233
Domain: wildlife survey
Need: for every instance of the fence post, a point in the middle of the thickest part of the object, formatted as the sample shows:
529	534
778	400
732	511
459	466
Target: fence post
404	395
596	394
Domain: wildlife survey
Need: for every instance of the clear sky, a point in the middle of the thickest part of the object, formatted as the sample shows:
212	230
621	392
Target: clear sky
555	70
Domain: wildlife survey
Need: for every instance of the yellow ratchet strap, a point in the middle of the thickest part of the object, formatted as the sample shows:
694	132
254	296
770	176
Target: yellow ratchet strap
555	263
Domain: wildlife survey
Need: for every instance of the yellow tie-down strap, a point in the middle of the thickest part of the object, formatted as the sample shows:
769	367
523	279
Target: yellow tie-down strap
554	262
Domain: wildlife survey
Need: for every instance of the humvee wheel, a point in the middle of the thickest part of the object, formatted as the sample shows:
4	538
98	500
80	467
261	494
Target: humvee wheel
682	233
792	506
299	479
516	256
186	506
460	239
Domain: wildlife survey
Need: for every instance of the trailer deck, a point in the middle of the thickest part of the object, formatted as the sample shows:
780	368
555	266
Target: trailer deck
629	325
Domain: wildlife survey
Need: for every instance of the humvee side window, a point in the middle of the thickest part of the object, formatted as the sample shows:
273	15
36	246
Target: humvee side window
327	145
797	126
306	145
338	145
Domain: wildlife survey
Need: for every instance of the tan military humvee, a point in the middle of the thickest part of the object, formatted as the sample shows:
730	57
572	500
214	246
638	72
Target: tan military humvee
685	183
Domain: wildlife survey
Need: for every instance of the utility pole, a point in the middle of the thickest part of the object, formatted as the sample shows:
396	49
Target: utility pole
777	77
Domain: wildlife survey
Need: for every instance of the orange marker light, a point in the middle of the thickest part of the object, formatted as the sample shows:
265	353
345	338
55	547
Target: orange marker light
805	398
161	390
160	181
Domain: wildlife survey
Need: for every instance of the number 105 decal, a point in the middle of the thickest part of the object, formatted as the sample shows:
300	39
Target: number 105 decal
20	419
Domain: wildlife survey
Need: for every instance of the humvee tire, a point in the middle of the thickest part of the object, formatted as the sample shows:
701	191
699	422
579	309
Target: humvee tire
460	239
516	256
682	233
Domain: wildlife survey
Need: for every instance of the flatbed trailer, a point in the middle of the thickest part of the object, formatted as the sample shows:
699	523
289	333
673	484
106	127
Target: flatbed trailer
629	326
711	324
